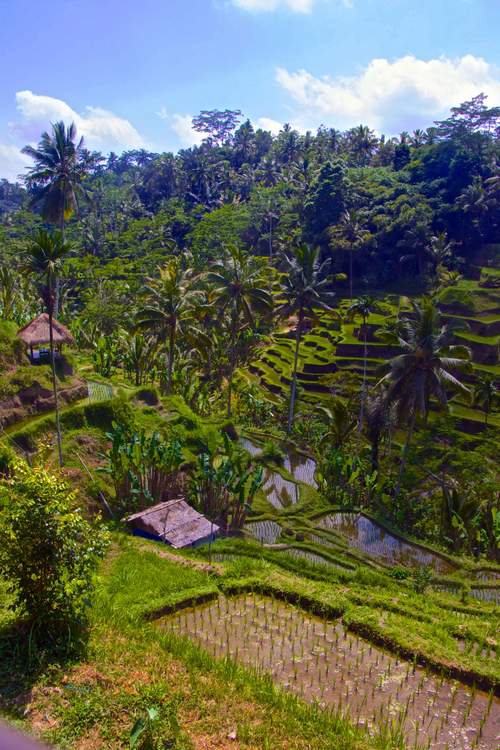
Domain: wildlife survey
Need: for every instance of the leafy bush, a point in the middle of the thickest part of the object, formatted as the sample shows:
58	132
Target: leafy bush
148	395
48	552
7	458
73	418
272	452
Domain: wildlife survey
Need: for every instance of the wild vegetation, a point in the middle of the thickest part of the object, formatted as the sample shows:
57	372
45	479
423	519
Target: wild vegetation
300	335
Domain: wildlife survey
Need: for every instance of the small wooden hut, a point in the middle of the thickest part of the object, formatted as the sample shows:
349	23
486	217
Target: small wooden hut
173	522
36	335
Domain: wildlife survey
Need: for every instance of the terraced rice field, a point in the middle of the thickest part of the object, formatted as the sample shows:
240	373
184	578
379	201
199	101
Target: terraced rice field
375	541
320	661
99	391
279	491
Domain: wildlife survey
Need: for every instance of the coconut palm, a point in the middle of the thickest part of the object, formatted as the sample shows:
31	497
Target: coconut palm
378	422
61	163
351	230
485	394
169	300
240	293
43	259
339	420
306	288
424	370
364	306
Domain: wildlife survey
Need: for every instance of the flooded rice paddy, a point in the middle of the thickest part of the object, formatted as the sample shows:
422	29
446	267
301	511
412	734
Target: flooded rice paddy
320	661
281	492
374	540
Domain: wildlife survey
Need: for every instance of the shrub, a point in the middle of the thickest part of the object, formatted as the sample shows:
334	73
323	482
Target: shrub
74	418
7	458
48	553
148	395
273	453
102	414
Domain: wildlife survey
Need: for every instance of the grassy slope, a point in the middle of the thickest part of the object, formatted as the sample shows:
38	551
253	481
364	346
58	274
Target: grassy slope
132	665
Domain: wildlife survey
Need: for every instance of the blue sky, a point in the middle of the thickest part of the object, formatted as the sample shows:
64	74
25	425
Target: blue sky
131	73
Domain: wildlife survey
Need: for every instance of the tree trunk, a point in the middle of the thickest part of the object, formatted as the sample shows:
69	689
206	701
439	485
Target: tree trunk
270	240
54	382
171	354
404	457
350	271
232	363
58	283
293	393
374	453
363	385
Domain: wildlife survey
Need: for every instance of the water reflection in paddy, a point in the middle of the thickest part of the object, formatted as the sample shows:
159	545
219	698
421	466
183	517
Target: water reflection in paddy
374	540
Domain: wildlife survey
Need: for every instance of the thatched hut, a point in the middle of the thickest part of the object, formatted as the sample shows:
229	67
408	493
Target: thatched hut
36	335
173	522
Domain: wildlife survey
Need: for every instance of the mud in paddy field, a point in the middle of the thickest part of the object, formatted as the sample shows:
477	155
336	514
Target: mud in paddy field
320	661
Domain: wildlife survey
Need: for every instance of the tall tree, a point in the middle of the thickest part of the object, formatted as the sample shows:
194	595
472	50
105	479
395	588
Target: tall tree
240	294
352	231
61	163
424	371
485	394
363	307
326	200
306	288
218	125
169	300
43	259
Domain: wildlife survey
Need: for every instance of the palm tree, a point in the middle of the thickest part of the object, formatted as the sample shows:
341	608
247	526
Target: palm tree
169	302
364	306
43	259
239	293
485	394
424	370
305	289
61	163
340	422
353	231
378	422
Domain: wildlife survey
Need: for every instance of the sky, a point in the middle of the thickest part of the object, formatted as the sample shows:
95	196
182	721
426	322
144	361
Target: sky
132	73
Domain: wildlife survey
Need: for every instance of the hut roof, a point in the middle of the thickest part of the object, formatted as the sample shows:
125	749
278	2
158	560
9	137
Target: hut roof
37	332
174	521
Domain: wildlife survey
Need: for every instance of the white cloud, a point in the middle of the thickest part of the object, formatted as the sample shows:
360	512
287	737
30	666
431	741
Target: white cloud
297	6
100	128
267	123
182	126
390	96
12	162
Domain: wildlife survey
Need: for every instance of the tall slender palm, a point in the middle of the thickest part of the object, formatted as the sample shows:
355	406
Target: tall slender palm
351	230
364	306
240	294
43	259
61	163
306	288
485	394
424	371
169	300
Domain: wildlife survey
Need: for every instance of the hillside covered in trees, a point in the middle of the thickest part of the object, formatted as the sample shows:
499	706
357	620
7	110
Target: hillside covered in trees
299	335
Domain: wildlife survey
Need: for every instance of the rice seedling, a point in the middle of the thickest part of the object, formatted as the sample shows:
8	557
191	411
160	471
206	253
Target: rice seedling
325	664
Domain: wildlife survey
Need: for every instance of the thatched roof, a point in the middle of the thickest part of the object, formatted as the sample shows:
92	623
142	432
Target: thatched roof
37	332
174	521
